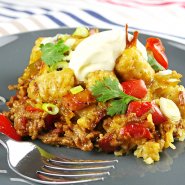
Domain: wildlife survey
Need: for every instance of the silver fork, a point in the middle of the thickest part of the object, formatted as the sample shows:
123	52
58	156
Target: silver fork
33	163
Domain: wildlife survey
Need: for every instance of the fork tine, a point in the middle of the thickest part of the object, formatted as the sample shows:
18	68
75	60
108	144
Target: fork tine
50	173
76	162
48	178
74	174
77	165
74	171
81	168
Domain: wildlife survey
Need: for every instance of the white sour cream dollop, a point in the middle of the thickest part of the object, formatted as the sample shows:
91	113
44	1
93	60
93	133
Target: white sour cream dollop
99	52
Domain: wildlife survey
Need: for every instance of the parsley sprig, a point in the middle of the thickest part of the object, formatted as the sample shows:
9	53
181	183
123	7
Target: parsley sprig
108	89
53	53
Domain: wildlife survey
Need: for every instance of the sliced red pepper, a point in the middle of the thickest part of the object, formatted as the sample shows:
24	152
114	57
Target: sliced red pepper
7	128
136	130
136	88
155	45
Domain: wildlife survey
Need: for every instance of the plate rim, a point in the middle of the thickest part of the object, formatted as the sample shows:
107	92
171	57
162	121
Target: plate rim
141	31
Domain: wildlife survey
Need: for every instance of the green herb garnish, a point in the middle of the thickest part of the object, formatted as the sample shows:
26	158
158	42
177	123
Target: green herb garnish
53	52
154	64
108	89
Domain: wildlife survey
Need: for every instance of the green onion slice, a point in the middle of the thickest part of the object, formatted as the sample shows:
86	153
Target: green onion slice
50	108
76	89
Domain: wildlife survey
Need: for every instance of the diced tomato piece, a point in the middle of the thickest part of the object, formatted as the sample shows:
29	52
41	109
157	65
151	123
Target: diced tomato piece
136	88
105	145
155	45
157	115
139	108
30	108
7	128
136	130
78	101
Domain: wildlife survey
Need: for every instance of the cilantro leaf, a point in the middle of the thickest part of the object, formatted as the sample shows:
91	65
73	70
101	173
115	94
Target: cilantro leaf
53	53
117	107
108	89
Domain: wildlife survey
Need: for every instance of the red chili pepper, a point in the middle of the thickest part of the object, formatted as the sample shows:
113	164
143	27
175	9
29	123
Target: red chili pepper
155	45
30	108
7	128
136	88
136	130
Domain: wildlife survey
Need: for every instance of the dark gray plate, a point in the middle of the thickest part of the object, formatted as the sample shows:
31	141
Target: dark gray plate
14	56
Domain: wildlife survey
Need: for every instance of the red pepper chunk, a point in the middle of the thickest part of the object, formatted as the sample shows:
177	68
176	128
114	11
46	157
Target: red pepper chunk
136	130
136	88
140	108
155	45
7	128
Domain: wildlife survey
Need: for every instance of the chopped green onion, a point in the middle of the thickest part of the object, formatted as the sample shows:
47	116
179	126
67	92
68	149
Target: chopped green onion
81	32
76	89
50	108
59	66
